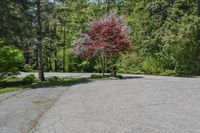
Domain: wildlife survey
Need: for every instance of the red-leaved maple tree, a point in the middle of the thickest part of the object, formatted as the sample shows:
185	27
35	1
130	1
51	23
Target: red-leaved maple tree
107	37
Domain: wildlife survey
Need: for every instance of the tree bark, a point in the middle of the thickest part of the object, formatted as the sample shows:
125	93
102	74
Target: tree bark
40	63
64	50
113	67
55	36
102	60
198	37
108	5
55	61
39	44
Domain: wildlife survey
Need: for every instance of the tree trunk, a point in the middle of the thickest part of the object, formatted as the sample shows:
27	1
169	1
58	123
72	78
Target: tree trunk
40	63
102	64
55	36
102	67
39	45
108	5
198	38
50	63
114	68
64	50
55	61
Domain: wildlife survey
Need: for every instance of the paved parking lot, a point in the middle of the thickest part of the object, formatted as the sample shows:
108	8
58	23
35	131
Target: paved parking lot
137	104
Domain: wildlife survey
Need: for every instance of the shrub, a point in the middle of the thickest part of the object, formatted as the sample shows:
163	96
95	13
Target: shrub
95	76
169	73
29	78
10	60
151	66
54	79
130	63
27	68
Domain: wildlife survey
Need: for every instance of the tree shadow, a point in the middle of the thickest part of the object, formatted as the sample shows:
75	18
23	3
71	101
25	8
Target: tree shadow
186	76
60	83
132	77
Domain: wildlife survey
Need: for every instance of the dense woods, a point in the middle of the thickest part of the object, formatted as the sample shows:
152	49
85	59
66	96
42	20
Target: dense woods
164	37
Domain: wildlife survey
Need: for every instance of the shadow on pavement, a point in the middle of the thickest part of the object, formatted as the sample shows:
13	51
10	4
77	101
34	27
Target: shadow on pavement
60	83
132	77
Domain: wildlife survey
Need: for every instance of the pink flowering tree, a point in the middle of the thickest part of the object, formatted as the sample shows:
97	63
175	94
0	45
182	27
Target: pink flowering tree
106	39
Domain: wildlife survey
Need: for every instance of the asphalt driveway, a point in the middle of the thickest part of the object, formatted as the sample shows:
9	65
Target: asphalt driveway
141	104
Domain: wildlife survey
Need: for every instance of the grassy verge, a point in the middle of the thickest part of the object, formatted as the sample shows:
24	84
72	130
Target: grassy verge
17	88
11	79
31	82
50	82
59	82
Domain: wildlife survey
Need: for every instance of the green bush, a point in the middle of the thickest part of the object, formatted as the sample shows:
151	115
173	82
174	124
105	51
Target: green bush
95	76
29	79
169	73
10	60
129	63
27	68
54	79
11	79
150	66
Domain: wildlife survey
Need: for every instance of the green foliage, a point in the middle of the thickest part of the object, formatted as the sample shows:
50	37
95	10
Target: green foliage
169	73
9	89
27	68
29	79
10	60
54	79
151	66
78	64
130	63
11	79
165	35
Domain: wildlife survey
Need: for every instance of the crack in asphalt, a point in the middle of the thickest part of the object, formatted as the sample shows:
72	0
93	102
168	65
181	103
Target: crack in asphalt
151	105
60	119
143	105
33	128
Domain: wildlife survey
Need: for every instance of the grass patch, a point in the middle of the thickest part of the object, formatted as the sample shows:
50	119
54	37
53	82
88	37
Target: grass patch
50	82
55	81
11	79
9	89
